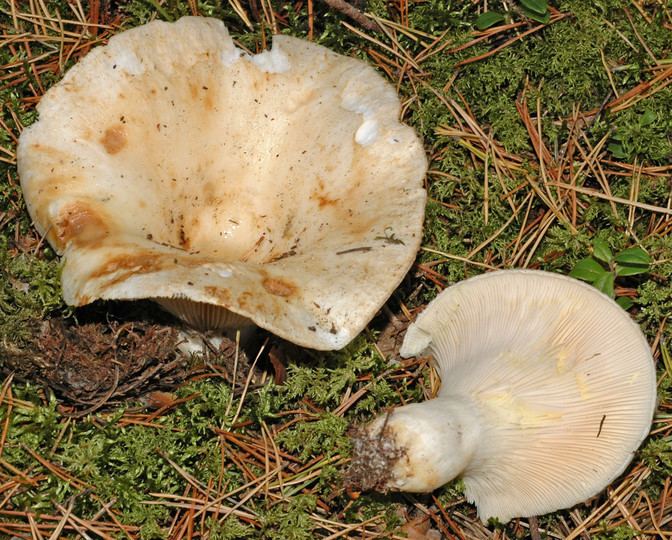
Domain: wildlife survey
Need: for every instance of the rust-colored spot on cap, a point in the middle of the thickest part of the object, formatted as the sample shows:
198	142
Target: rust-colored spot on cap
244	299
114	139
122	267
278	287
80	224
320	195
325	201
223	296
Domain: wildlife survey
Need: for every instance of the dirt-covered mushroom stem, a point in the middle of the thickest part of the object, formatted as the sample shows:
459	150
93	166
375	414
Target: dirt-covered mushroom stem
417	448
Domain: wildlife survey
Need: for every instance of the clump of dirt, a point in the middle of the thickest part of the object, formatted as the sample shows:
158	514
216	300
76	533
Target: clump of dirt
374	455
392	333
98	364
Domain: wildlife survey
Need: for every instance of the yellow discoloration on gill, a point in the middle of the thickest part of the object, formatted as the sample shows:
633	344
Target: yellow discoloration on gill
511	409
513	359
582	385
561	362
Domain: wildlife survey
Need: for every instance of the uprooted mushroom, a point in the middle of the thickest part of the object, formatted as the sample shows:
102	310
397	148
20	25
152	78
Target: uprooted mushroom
277	189
548	388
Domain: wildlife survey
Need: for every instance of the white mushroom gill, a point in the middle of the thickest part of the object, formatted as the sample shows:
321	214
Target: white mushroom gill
548	388
279	188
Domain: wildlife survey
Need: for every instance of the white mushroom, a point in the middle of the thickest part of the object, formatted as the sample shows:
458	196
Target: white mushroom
548	388
279	187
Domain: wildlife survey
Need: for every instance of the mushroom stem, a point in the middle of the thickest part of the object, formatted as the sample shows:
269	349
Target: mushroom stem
217	322
192	342
417	448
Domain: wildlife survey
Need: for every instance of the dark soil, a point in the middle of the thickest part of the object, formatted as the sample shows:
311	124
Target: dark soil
101	363
393	328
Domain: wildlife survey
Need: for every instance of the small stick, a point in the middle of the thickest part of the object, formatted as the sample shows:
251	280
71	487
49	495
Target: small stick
311	20
352	12
534	528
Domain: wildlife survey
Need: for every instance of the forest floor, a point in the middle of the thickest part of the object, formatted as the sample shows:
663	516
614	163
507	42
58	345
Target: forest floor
549	142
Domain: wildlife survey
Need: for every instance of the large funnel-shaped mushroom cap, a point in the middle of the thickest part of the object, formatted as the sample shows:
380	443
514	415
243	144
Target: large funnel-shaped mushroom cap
562	379
281	186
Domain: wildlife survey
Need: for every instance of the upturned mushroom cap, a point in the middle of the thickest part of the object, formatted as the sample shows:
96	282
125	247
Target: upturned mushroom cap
279	187
548	388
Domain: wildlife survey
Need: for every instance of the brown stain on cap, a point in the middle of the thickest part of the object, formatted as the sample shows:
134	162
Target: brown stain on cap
114	139
193	90
244	299
50	151
79	224
278	287
122	267
223	296
325	201
321	196
209	101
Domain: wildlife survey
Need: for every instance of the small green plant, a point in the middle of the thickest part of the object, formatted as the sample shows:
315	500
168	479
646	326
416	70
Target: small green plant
537	10
629	138
603	267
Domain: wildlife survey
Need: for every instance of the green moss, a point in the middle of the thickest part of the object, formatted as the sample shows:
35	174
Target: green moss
622	532
438	15
229	529
142	11
328	375
290	520
641	132
562	66
325	436
655	300
370	505
29	290
124	463
657	455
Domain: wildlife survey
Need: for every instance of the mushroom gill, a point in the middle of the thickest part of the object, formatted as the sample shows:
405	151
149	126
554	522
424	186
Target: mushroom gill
548	388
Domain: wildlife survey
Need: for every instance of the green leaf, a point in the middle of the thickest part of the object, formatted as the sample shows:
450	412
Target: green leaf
649	117
543	19
488	19
540	7
632	261
617	150
628	270
601	251
605	283
587	269
625	302
633	256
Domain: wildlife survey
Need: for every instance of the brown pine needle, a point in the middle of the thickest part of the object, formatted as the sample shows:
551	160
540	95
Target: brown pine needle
618	200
